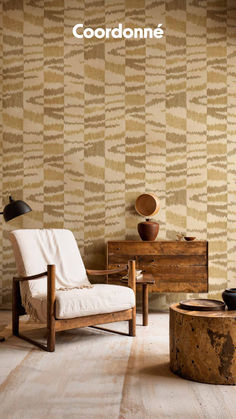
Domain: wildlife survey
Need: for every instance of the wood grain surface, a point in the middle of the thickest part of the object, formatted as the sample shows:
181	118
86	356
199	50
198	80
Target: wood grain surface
175	266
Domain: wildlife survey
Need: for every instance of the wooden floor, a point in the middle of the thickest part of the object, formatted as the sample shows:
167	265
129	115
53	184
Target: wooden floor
94	374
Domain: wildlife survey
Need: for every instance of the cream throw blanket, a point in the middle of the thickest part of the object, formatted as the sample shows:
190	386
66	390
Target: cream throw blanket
34	249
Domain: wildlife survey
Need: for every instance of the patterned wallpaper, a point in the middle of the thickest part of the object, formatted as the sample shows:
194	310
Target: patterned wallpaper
87	124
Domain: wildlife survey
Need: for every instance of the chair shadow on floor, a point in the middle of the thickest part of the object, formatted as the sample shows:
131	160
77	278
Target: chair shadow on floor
69	337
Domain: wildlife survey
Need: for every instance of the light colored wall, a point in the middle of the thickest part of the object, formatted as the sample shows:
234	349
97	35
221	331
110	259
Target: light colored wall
88	125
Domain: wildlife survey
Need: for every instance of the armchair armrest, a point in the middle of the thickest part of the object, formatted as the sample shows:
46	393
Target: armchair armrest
131	273
106	271
51	298
30	278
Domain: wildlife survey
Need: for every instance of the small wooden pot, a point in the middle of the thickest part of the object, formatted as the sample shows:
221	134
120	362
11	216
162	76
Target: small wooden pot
148	230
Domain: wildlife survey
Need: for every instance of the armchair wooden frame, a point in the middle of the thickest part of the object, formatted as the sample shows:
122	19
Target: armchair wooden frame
54	325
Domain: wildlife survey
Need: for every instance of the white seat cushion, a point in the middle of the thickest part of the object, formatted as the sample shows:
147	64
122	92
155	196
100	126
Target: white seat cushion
102	298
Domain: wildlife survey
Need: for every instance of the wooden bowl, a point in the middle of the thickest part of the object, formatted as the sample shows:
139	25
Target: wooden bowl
147	204
189	239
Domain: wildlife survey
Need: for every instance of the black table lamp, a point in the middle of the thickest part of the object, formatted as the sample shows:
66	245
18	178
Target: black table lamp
13	210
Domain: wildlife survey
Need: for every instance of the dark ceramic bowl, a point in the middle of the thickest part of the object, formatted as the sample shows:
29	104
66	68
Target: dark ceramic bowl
189	239
229	297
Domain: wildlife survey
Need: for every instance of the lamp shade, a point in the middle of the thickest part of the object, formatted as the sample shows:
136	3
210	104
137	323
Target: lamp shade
15	208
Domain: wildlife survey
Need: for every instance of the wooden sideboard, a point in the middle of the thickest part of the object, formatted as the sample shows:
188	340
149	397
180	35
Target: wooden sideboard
176	266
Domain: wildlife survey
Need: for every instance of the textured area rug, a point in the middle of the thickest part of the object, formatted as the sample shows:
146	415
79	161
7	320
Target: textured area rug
95	374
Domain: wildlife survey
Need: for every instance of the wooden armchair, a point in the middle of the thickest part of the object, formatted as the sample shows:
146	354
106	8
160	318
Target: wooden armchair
50	300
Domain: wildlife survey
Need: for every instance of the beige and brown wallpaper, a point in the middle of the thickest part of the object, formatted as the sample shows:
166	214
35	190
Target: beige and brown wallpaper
87	125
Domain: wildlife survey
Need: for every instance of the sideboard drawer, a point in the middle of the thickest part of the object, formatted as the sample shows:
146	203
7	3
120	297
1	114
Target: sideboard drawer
156	248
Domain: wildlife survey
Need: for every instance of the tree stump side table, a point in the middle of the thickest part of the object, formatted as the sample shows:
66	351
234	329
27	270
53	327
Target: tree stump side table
203	345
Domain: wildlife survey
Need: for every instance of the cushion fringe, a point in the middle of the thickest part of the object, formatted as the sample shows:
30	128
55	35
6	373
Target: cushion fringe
79	287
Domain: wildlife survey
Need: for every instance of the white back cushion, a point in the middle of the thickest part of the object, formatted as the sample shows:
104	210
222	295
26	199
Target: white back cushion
35	249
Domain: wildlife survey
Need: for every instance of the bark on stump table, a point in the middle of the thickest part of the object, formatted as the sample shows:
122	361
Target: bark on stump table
202	345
